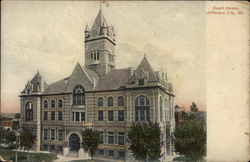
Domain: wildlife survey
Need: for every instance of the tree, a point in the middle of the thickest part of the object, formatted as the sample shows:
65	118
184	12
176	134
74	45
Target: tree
193	107
2	134
10	137
27	140
17	116
144	139
190	139
90	140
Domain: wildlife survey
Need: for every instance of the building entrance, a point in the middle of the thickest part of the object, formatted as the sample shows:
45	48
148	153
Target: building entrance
74	142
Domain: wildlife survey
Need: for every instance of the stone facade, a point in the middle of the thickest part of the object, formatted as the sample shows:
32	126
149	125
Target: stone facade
98	96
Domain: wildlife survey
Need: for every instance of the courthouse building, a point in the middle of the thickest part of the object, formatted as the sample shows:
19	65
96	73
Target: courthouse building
99	96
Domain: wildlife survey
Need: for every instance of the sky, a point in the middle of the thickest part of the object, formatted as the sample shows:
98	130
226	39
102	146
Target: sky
49	36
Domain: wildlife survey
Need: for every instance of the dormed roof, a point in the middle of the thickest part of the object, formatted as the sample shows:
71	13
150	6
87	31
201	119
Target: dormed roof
115	79
144	70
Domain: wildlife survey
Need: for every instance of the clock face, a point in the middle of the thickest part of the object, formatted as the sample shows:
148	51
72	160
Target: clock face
94	33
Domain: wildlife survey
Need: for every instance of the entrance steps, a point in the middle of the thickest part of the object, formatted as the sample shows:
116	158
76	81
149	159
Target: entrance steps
73	154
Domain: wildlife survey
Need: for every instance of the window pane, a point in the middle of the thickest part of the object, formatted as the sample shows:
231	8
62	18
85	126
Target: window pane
110	138
52	115
53	104
136	115
60	135
121	115
100	115
60	103
110	101
82	116
120	101
100	102
110	115
45	117
111	153
45	134
45	104
77	116
52	134
121	154
121	138
59	115
100	137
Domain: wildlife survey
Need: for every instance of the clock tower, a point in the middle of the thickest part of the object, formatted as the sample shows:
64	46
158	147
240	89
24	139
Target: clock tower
100	46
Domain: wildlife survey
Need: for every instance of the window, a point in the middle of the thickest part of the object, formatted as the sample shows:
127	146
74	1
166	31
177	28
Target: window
141	82
77	116
110	101
29	111
45	115
120	101
101	137
100	115
52	148
100	102
82	116
110	115
52	134
60	115
110	137
60	135
45	147
45	134
53	104
73	116
45	104
52	117
121	138
142	108
121	154
100	152
111	153
121	115
60	149
161	111
79	95
60	103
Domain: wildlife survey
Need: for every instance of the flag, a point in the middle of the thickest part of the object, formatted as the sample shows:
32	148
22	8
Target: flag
106	2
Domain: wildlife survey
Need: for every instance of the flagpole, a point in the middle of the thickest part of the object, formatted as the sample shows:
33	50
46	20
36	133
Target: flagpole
100	4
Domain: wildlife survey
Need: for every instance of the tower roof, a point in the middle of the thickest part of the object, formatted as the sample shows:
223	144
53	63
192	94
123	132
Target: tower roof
99	21
36	78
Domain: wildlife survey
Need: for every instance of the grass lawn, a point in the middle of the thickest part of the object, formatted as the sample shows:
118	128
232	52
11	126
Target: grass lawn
22	156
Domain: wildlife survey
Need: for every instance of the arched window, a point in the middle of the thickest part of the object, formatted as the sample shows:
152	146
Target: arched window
141	108
45	104
29	111
110	101
53	104
120	101
79	95
60	103
100	102
91	55
161	109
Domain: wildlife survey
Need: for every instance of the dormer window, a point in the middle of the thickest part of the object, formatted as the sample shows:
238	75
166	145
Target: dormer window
141	82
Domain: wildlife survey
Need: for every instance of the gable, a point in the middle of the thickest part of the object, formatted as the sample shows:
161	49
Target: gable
144	71
79	77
